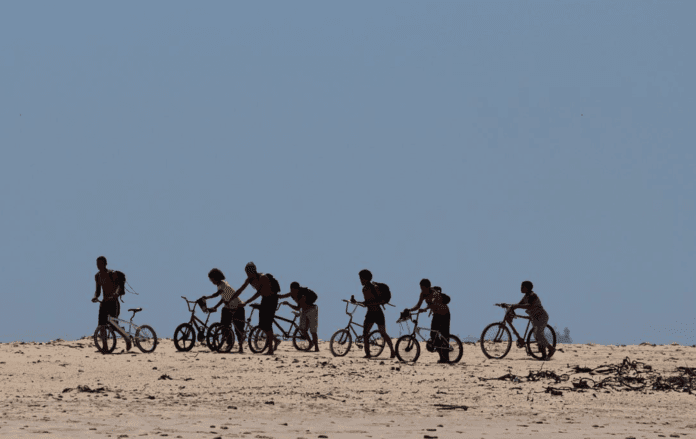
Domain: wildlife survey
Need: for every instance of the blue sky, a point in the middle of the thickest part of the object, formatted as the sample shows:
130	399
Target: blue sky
477	144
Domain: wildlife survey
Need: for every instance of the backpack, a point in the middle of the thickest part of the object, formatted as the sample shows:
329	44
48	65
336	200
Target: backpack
445	298
310	296
275	286
383	293
119	280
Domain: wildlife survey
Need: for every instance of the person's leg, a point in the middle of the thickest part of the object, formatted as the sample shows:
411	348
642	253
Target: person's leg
444	329
539	324
313	317
304	323
367	325
238	320
381	325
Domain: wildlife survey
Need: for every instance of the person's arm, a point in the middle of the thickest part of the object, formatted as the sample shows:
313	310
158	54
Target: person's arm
421	297
218	304
296	308
283	296
97	292
214	295
254	297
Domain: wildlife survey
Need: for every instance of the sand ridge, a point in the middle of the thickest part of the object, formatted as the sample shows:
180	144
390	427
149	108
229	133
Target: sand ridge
69	389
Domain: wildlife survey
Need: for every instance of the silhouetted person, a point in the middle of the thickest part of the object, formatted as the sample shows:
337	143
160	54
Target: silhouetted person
532	304
110	306
269	303
441	317
374	313
233	312
309	311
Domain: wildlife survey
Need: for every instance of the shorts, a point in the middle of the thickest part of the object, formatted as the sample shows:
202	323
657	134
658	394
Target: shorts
373	316
108	308
267	312
309	319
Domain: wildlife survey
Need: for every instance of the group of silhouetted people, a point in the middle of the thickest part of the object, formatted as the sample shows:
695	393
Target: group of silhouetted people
268	289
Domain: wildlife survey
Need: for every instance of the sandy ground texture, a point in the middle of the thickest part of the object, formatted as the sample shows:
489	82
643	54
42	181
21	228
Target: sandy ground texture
68	389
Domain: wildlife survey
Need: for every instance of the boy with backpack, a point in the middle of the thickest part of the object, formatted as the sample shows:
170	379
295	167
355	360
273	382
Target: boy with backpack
309	311
268	288
112	283
437	303
376	295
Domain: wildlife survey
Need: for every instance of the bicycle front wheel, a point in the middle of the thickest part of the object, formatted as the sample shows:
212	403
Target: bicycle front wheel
340	343
496	341
301	342
226	339
407	349
146	339
532	346
184	337
375	343
258	342
105	341
213	337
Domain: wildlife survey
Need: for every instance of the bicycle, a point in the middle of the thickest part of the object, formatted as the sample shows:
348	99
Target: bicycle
186	334
223	342
144	337
408	348
342	340
259	343
496	341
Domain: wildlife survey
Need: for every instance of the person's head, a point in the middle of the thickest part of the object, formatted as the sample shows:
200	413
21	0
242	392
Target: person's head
294	289
216	276
365	276
526	287
250	270
101	262
425	286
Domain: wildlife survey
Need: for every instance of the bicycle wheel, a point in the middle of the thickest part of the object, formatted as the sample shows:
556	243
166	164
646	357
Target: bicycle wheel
455	349
407	349
213	337
340	343
375	343
257	340
145	339
533	348
496	341
184	337
301	342
106	342
225	339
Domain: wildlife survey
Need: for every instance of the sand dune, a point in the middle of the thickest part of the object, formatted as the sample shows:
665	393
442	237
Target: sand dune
68	389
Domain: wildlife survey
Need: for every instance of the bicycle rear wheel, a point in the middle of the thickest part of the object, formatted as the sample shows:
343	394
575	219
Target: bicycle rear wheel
184	337
340	343
146	339
301	342
258	341
455	349
105	342
533	348
407	349
496	341
375	343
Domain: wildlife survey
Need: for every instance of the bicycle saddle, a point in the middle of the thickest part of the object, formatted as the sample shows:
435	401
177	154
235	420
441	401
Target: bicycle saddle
135	310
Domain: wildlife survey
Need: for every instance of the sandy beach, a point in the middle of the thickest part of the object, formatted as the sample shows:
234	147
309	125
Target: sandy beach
68	389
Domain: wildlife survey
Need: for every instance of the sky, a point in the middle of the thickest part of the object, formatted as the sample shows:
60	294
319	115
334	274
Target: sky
474	143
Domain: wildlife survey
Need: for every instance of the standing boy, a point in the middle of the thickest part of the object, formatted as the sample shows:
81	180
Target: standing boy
309	311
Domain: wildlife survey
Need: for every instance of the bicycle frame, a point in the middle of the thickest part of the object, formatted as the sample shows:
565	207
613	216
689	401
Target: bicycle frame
293	325
132	327
517	334
351	323
417	330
